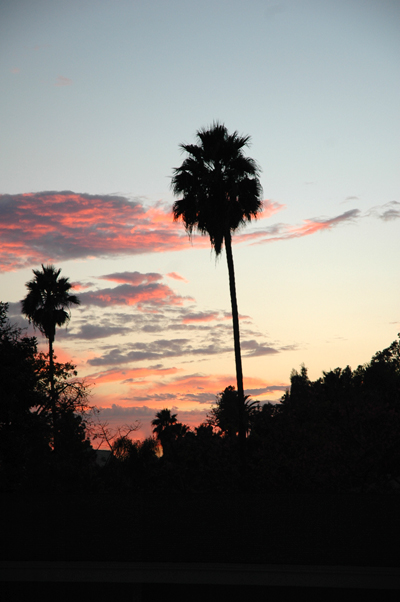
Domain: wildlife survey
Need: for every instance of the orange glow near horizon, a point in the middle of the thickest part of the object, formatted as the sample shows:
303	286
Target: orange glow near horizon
119	374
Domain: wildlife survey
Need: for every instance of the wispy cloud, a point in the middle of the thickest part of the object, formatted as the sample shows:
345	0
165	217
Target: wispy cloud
253	348
202	388
135	278
204	316
81	286
158	350
63	81
58	226
309	226
270	208
129	374
205	341
390	211
176	276
91	332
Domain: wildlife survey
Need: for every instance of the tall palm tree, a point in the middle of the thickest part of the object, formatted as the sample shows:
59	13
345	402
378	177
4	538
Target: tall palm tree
220	191
46	306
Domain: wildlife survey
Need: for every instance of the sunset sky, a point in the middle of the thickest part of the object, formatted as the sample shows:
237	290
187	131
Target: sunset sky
96	97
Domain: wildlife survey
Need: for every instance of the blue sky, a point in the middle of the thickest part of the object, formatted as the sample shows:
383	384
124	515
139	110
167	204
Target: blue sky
98	95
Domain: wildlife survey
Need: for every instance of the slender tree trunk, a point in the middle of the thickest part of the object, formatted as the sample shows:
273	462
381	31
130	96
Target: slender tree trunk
53	394
236	337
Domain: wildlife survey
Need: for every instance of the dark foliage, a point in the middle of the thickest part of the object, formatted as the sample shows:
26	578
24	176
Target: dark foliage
225	415
27	458
338	434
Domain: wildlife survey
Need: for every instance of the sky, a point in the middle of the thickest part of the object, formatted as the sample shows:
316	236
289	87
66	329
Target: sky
97	96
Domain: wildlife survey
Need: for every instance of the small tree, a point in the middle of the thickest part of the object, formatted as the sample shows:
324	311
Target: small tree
226	413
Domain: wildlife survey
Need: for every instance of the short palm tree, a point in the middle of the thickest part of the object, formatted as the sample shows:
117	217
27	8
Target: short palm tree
162	426
46	306
226	412
219	190
163	419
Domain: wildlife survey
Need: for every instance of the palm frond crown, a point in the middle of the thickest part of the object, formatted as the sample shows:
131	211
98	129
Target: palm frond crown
48	301
163	419
219	186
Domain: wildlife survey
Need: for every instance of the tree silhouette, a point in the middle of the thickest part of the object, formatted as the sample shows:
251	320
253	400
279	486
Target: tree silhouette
225	415
220	191
23	434
46	306
163	423
26	421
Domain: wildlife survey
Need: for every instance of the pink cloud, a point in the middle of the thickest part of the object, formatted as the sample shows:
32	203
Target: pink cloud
176	276
128	374
56	226
309	226
270	208
78	286
127	294
204	316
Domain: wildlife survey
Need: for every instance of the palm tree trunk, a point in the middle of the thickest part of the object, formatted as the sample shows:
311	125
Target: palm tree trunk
53	394
236	335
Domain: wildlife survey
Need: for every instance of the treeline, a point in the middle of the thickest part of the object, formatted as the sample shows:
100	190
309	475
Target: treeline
339	433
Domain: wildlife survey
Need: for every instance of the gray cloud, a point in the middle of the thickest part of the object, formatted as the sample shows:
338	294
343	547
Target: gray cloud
390	211
126	411
270	389
89	332
254	349
158	350
135	278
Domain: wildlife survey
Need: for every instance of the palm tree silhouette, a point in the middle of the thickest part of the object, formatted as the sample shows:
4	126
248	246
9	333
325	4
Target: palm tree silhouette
226	412
46	306
162	424
163	419
220	191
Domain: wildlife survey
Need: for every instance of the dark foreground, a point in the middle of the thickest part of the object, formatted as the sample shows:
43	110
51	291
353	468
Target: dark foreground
360	530
340	532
